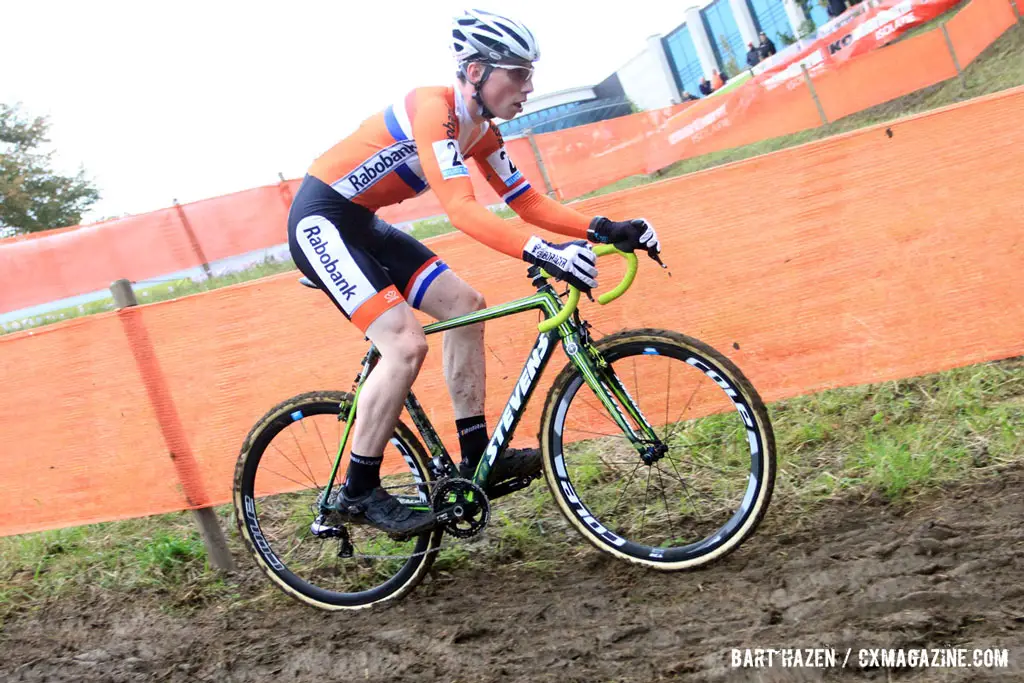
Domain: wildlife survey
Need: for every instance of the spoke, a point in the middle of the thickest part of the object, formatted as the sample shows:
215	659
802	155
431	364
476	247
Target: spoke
701	444
672	432
267	469
303	454
686	487
327	455
668	395
297	544
603	412
299	469
647	490
620	435
668	511
623	492
702	465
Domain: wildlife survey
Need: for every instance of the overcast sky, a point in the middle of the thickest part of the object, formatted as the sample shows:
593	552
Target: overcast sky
192	99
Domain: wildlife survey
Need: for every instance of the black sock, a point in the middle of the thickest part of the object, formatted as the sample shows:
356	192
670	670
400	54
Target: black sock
363	475
472	438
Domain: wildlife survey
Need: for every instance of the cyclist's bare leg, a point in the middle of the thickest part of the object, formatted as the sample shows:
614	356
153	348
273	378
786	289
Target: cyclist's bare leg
399	338
464	371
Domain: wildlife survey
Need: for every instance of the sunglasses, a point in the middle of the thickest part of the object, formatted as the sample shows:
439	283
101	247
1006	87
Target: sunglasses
518	74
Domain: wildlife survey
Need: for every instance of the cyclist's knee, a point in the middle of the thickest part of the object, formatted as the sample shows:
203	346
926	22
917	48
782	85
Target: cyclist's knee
399	337
473	301
413	350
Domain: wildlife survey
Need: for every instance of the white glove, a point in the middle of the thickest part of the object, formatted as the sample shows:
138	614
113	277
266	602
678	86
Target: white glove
574	262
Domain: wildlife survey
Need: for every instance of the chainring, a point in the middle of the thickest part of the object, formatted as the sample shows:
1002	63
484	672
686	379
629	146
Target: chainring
465	504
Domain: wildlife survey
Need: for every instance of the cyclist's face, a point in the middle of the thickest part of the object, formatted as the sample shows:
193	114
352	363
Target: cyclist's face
506	89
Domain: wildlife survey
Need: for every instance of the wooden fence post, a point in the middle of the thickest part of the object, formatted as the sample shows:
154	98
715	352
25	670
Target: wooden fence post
814	94
192	239
170	426
540	163
952	53
286	192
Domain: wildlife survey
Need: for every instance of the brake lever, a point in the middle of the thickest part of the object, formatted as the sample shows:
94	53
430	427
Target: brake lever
657	259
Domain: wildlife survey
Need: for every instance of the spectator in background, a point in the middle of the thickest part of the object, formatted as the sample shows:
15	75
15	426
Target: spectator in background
717	79
753	55
836	7
687	97
705	87
767	47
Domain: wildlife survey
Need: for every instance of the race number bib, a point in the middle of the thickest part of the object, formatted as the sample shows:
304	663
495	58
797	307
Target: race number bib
502	164
449	158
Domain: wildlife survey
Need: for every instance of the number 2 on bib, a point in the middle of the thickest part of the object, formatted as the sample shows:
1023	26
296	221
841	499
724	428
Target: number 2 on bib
449	159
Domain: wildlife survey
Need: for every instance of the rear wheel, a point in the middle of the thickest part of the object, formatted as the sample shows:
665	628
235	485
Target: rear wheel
280	478
708	487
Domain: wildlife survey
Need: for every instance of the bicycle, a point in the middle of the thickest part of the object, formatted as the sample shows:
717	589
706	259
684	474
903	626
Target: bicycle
301	541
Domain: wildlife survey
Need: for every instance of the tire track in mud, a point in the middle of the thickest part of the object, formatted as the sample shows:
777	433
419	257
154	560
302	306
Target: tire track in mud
945	571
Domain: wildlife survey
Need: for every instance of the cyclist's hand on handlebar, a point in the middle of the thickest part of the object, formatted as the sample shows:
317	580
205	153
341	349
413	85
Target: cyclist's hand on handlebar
626	235
574	262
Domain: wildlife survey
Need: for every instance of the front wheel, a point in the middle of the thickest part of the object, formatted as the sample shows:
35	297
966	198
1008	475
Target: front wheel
698	484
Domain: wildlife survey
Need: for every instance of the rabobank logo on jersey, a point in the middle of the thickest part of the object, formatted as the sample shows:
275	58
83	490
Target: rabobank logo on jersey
375	168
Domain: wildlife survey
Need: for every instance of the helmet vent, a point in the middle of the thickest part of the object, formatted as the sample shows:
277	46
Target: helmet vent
514	35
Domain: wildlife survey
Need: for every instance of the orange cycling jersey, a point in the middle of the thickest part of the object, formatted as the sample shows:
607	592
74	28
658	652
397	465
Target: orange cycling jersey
423	142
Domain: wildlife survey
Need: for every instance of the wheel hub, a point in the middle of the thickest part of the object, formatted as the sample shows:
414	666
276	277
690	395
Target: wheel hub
653	453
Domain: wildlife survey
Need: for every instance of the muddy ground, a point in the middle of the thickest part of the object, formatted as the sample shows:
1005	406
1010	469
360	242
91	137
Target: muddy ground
944	571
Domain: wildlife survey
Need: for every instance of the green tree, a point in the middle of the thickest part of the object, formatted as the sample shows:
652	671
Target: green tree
32	196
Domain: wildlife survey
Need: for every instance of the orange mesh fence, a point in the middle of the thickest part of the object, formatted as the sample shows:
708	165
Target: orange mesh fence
90	258
885	74
746	115
81	441
584	158
860	258
238	223
978	24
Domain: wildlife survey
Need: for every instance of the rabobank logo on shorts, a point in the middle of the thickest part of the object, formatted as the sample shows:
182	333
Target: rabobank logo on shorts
347	290
375	168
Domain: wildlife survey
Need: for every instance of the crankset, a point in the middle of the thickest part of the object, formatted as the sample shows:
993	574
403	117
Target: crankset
462	507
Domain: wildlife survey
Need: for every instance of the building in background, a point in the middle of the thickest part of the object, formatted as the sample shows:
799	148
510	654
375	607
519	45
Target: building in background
568	108
712	35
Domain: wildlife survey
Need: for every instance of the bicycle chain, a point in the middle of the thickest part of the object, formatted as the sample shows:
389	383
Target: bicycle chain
429	485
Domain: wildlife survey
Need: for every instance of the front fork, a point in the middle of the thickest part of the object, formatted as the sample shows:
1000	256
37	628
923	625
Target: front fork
609	389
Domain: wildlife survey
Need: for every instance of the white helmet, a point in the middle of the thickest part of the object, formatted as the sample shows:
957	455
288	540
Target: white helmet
491	38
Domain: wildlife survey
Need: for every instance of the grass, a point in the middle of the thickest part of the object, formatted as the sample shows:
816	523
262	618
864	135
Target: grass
890	442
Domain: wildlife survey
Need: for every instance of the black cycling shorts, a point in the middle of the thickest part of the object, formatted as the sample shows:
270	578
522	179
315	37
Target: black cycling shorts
364	264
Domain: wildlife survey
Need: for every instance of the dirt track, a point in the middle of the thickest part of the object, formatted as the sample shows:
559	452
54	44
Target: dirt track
946	572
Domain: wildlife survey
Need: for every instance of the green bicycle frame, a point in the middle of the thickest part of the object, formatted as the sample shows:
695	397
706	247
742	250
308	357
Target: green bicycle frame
561	322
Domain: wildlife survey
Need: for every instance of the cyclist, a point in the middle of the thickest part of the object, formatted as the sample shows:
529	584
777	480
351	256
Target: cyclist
376	274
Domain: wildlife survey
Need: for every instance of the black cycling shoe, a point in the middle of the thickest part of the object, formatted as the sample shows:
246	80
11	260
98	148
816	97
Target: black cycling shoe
514	463
381	510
